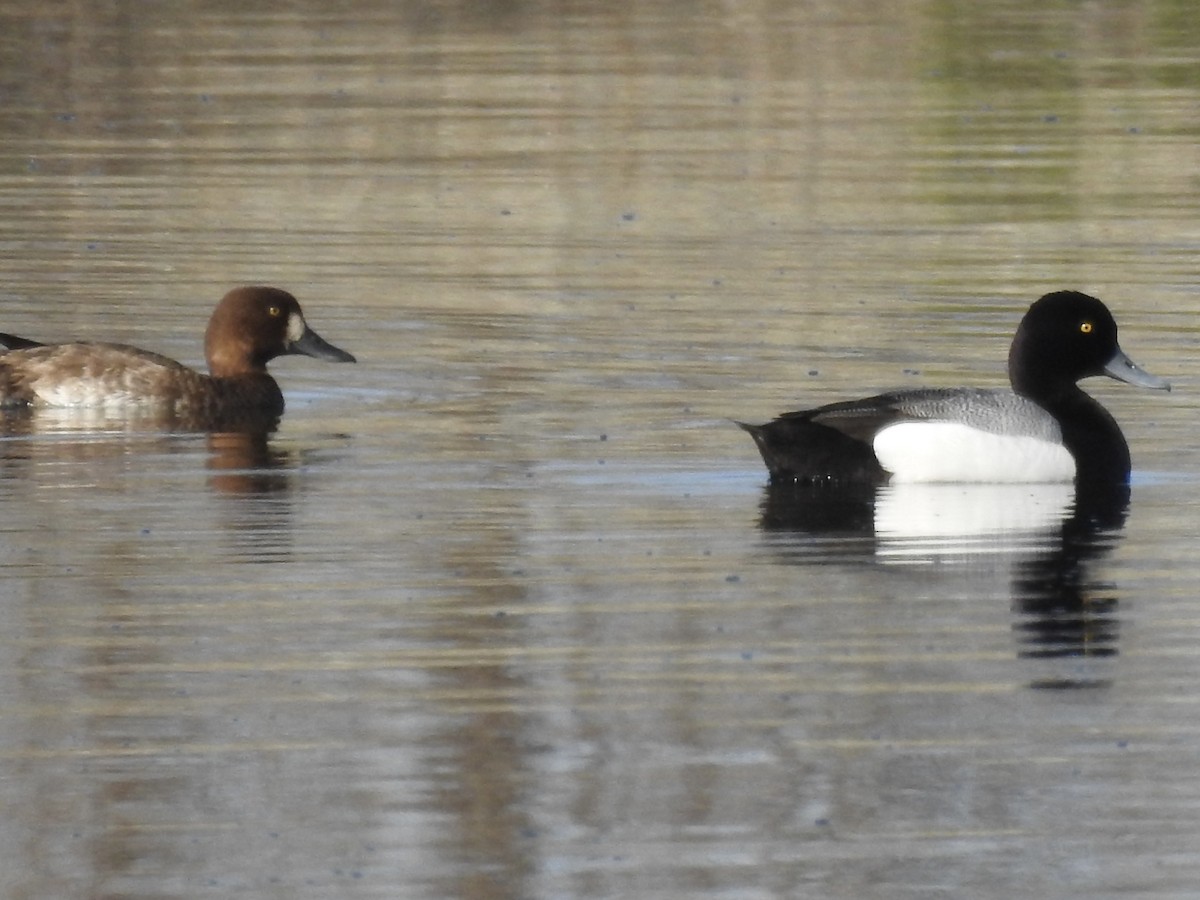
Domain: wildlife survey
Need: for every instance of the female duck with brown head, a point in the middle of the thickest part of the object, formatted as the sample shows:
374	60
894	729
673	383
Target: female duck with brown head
250	327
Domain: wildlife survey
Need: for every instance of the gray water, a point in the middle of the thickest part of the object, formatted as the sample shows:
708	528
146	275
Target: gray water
505	610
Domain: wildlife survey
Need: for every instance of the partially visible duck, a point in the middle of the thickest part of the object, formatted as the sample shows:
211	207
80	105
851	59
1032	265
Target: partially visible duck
1044	429
250	327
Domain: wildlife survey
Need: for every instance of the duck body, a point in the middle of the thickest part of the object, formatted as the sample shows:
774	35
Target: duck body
250	327
97	375
951	434
1045	429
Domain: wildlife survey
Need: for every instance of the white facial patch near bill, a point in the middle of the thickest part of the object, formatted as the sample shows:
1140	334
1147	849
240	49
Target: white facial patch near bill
952	452
295	327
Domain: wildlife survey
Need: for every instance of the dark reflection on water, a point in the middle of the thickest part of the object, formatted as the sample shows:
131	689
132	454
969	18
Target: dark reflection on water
258	478
1060	609
244	463
819	509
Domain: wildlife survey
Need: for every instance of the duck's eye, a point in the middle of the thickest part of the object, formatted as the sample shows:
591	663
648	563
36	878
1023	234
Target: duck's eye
1085	327
276	311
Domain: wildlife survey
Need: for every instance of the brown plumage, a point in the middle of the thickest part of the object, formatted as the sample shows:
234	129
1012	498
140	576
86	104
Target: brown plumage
250	327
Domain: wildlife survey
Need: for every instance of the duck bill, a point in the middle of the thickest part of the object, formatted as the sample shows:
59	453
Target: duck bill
312	344
1122	368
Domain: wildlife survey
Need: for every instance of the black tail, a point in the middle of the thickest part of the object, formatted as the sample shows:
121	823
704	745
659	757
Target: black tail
796	449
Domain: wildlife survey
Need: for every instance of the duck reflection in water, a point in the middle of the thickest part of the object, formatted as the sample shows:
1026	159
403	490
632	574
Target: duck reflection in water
242	464
254	478
1061	609
258	478
1048	535
245	463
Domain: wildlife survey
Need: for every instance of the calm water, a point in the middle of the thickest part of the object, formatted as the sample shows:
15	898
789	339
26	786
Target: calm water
505	610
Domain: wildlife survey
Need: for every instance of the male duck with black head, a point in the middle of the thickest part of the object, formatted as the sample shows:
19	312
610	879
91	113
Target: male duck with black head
1046	429
250	327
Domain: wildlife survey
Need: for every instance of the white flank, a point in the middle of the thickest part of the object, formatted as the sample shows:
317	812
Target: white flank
950	452
89	393
114	389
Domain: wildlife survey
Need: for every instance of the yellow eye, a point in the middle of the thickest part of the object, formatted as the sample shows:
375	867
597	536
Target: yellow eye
276	311
1085	327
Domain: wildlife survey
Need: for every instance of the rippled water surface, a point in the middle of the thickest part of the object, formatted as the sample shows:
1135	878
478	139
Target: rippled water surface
506	609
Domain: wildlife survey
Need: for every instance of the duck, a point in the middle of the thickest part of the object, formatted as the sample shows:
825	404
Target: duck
1044	429
251	326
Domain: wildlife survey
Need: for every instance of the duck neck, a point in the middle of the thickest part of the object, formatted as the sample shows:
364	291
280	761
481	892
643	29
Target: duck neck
254	393
1089	431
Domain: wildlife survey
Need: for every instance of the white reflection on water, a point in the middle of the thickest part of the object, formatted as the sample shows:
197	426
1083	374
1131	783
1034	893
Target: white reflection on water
929	520
1037	545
